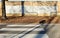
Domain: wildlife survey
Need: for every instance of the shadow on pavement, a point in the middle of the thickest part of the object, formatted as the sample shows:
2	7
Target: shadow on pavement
46	28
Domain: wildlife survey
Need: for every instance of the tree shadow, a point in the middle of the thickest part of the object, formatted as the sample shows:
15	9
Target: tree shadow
2	26
46	28
41	32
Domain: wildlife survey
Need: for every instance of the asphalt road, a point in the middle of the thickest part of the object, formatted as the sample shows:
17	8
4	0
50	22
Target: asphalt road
25	31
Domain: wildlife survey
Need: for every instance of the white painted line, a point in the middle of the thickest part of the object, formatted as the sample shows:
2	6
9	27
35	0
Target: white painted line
39	29
31	29
13	29
21	25
20	29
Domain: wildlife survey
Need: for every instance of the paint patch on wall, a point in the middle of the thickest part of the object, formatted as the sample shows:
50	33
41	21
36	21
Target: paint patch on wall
31	10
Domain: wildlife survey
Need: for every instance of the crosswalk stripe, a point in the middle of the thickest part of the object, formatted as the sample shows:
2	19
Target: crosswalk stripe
21	25
13	29
19	29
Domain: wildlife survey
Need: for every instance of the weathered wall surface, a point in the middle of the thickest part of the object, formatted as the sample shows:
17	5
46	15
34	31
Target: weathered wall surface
40	8
58	9
31	8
